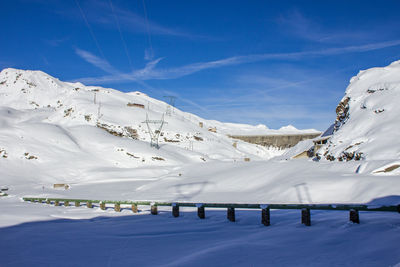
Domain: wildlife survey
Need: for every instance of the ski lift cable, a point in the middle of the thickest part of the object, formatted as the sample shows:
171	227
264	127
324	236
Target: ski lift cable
120	34
147	28
90	29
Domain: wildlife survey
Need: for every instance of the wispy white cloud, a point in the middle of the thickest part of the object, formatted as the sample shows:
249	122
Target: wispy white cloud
99	12
148	54
298	24
150	72
275	96
56	42
262	101
96	61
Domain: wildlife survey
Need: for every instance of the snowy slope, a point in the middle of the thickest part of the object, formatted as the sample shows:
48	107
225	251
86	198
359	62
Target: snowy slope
55	122
368	122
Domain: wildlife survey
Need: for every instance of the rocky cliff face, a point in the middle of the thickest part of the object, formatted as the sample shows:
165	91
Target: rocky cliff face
368	121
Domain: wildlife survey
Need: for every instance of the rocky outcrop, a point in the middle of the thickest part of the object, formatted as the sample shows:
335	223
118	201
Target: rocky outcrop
367	123
342	113
119	131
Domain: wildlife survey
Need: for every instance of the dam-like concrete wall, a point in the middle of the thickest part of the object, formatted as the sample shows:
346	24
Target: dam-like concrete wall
279	140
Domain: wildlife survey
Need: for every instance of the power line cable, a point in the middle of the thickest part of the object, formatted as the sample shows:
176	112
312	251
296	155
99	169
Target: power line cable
90	29
120	34
148	29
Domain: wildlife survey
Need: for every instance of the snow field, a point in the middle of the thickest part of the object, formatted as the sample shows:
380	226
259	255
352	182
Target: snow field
108	238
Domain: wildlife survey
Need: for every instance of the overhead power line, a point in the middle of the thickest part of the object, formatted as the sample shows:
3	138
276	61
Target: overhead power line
148	29
120	34
90	29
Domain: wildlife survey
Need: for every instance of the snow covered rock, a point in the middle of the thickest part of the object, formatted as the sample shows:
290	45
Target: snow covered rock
368	123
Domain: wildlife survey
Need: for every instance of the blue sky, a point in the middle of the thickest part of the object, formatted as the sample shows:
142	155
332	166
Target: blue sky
269	62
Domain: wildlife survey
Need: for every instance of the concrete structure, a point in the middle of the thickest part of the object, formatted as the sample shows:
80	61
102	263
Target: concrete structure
323	139
278	140
302	155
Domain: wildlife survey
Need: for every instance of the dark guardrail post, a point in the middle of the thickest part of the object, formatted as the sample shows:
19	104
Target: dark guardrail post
56	203
398	208
201	211
231	214
134	208
66	203
48	201
89	204
265	215
153	209
306	217
354	216
175	210
102	205
117	207
77	204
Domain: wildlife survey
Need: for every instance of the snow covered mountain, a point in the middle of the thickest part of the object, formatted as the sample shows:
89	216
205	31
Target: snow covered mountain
46	122
368	122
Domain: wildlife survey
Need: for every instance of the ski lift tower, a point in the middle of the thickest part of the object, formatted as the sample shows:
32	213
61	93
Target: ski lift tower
171	104
154	135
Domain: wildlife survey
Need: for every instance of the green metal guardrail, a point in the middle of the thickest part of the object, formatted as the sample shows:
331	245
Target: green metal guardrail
305	208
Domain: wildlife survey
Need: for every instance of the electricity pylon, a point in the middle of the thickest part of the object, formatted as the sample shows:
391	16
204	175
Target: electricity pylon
156	134
171	104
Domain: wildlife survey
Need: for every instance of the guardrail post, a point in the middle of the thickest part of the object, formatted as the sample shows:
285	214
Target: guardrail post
77	204
306	217
175	210
231	214
48	201
117	207
265	216
153	209
201	211
89	204
66	203
56	203
354	217
134	208
102	205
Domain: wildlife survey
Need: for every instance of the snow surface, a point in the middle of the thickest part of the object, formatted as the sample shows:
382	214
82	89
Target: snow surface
49	134
82	237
